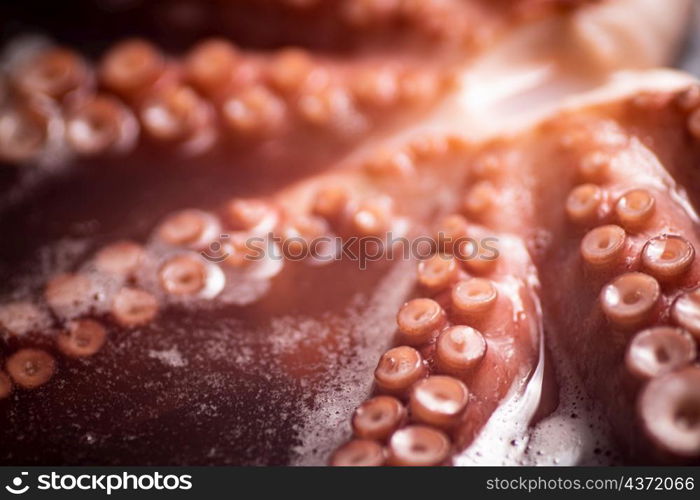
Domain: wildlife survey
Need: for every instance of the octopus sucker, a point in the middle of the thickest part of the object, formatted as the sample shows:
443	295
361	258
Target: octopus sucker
476	258
635	208
419	321
30	368
69	292
210	66
27	130
84	337
390	164
685	311
252	215
455	375
603	246
253	113
376	222
629	300
668	256
668	408
177	115
183	275
359	453
584	203
451	231
189	228
131	67
139	96
660	350
438	272
100	125
479	199
591	167
22	317
122	258
133	307
418	445
473	297
372	217
438	400
54	73
459	350
378	418
398	369
629	264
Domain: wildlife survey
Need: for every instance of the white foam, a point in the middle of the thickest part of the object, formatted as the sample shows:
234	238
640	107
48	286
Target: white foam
326	421
169	357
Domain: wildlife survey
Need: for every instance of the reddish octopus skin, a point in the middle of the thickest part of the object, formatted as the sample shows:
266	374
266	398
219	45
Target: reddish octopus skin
484	378
511	345
282	98
489	375
136	97
506	355
616	284
645	145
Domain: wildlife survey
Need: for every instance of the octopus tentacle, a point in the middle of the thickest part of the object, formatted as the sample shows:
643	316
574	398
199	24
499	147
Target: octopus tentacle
455	375
629	264
604	215
251	97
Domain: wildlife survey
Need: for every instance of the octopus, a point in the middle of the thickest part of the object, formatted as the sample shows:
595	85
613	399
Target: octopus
349	232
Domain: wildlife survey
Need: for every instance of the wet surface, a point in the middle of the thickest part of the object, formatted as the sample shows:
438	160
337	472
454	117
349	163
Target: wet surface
209	383
267	383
